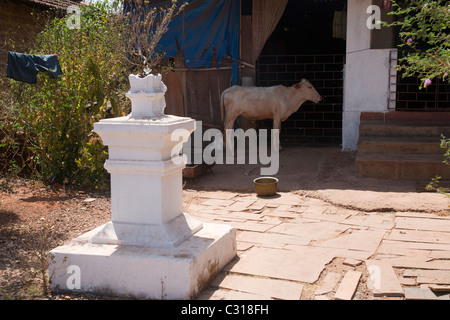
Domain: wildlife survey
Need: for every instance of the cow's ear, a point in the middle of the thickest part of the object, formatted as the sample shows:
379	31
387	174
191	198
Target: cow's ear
297	85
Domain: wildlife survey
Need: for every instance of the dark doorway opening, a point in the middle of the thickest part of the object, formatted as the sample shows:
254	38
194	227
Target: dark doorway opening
304	45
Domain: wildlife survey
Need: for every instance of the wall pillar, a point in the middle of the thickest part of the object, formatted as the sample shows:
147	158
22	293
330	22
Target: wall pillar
367	73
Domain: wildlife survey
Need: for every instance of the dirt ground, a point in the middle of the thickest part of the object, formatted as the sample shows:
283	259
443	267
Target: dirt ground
36	218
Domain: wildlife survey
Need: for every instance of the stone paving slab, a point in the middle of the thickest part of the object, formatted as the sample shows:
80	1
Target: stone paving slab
258	205
336	217
218	202
322	297
275	212
301	265
419	263
223	195
292	239
273	288
271	239
373	221
244	246
407	281
364	240
283	198
329	283
423	294
225	294
251	226
422	224
438	288
398	249
240	205
429	276
336	252
243	215
382	279
421	215
352	262
419	236
445	255
426	246
311	230
348	285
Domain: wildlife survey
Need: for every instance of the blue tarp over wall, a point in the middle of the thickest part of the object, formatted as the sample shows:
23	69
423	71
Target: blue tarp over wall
204	27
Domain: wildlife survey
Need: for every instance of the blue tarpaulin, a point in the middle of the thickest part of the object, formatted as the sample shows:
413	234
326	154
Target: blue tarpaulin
204	27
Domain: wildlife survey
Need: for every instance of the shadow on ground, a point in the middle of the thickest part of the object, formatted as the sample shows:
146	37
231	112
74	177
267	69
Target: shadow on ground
326	173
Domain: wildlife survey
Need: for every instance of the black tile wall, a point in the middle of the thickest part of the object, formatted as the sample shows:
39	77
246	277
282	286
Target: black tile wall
312	124
436	97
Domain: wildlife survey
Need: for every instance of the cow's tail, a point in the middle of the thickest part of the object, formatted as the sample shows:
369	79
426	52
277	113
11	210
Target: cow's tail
222	105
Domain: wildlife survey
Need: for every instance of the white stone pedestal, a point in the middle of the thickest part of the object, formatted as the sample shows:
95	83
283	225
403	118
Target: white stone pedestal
143	272
150	249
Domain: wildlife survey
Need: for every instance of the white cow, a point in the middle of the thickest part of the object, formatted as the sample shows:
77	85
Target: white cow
259	103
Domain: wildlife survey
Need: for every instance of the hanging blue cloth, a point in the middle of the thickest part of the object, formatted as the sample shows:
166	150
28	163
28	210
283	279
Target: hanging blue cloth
204	27
24	67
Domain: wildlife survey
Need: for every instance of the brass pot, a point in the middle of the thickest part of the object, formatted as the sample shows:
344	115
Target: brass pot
266	186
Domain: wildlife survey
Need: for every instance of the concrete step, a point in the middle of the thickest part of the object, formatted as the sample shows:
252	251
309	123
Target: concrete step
410	116
401	166
399	145
403	129
402	145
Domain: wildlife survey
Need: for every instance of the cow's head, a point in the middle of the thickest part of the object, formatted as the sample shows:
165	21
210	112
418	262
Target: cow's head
308	91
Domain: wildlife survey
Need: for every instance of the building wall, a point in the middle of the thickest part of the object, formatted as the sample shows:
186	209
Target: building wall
366	89
367	73
436	97
19	26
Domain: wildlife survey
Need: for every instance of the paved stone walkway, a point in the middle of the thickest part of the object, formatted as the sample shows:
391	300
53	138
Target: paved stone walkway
295	247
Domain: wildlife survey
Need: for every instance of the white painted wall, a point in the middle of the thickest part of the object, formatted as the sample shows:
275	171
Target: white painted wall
366	74
366	88
358	35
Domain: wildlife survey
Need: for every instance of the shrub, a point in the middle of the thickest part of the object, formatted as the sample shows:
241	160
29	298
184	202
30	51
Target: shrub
49	125
434	185
54	118
424	30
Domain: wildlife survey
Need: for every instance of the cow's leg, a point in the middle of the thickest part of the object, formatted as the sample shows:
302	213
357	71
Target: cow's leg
276	133
229	123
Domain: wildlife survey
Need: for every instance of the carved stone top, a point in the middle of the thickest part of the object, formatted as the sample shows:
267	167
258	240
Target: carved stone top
147	96
148	84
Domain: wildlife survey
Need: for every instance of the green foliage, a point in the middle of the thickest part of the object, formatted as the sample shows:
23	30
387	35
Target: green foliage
47	128
434	185
424	30
445	144
425	33
55	117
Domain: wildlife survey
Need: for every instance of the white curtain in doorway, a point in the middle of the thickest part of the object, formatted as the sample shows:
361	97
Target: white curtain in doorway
265	17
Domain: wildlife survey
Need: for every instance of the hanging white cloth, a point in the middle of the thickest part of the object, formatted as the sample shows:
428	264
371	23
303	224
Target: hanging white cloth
265	17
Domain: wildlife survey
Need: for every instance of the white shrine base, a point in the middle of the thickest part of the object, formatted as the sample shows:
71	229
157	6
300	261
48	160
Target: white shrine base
143	272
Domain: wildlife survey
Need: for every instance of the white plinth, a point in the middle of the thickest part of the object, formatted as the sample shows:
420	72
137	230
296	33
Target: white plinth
144	272
150	249
146	185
